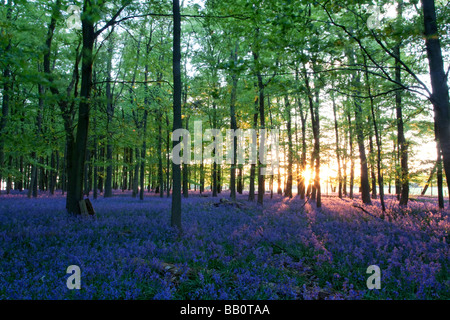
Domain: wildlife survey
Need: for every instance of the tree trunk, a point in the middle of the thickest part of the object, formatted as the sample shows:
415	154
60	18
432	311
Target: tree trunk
359	128
261	177
303	119
168	156
372	168
109	118
176	170
365	187
338	152
251	192
233	123
136	173
5	96
352	161
377	140
143	151
75	183
439	178
288	190
440	95
240	180
186	168
401	141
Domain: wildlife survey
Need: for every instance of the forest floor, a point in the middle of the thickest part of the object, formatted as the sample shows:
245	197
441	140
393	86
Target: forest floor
287	249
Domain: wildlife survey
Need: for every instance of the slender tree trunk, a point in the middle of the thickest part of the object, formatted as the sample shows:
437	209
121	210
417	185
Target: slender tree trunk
136	173
288	190
359	128
251	193
109	118
439	178
303	119
240	180
160	165
186	166
430	178
260	100
338	152
401	141
168	184
372	167
95	178
365	187
233	123
377	140
352	161
143	151
6	94
202	177
214	164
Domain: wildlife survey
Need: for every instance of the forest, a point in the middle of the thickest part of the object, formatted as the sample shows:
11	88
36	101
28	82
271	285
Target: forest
233	149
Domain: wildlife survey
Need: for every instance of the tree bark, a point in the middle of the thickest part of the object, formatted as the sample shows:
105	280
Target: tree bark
5	97
109	118
176	170
288	190
76	176
440	95
233	122
338	152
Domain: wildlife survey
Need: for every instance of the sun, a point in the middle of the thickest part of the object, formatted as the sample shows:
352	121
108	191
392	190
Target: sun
307	175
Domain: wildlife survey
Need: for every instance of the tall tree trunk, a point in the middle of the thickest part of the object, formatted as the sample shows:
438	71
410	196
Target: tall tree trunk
439	178
214	164
75	183
202	177
233	122
109	118
176	170
288	190
160	164
352	160
168	184
372	166
303	116
261	177
186	166
260	100
143	151
6	94
136	173
440	95
401	141
359	128
338	152
251	192
377	139
240	180
365	187
315	158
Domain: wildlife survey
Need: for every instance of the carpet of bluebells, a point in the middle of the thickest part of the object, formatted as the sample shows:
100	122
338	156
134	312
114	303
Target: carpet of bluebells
287	249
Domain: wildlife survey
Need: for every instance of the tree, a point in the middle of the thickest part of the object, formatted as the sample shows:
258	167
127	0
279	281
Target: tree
440	95
76	174
176	193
